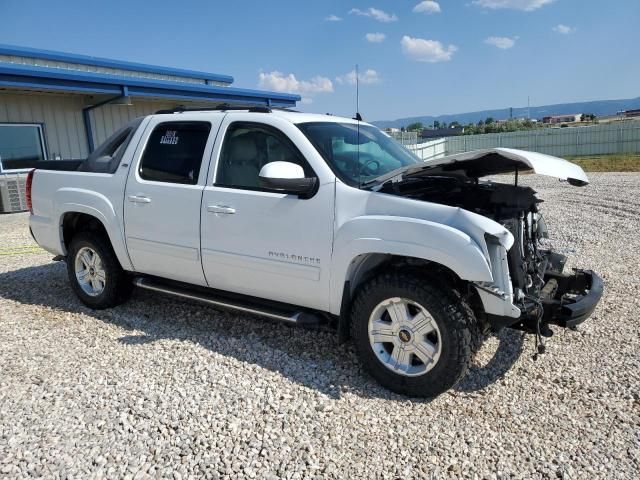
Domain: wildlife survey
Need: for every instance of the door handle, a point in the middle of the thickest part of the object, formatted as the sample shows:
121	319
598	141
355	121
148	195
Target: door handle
139	199
221	209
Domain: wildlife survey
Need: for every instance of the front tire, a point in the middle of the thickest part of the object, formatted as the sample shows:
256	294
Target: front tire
95	273
413	337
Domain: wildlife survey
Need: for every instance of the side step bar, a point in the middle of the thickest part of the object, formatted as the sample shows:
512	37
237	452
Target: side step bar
293	317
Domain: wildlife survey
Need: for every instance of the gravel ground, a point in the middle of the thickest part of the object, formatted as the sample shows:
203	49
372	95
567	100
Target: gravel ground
162	388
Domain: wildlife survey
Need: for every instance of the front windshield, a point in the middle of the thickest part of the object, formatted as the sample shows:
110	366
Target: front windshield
357	157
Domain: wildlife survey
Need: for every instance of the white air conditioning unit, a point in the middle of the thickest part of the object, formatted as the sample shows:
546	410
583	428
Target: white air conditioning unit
13	192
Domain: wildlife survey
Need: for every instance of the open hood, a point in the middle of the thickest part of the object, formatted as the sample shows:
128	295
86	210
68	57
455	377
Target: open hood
492	161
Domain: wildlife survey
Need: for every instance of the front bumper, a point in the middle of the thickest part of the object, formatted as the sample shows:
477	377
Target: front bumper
569	299
575	300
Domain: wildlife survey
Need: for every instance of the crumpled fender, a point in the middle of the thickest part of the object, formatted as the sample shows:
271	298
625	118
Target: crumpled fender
409	237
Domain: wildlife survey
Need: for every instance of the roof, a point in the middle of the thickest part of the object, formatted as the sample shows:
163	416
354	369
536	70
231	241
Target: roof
301	117
563	115
16	51
32	77
441	132
288	115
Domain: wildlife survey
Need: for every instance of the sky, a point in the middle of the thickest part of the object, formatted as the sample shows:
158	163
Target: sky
415	57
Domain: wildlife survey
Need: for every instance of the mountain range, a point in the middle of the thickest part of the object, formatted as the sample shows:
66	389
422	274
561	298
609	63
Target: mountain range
597	107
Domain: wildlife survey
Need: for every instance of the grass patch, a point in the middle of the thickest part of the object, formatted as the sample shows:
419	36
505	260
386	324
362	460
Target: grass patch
624	162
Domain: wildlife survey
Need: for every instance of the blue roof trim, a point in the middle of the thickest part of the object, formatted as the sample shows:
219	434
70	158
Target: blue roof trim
106	62
28	76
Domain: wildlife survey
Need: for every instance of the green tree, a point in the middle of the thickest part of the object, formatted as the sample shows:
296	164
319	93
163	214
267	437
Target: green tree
415	127
436	124
489	121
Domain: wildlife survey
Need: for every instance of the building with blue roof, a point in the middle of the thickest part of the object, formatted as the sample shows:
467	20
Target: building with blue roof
60	105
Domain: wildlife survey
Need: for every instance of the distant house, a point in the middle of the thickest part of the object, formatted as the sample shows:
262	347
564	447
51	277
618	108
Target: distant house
391	130
518	119
441	132
567	118
630	113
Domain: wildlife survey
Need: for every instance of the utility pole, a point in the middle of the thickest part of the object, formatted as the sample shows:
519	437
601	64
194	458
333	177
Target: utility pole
528	107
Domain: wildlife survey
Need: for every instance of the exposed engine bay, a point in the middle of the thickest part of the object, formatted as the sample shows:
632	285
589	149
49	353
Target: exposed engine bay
543	293
514	207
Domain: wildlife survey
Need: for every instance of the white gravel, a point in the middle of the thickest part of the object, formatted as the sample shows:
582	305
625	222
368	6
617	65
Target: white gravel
163	388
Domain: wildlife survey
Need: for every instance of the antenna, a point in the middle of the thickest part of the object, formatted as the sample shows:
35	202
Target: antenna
358	118
357	91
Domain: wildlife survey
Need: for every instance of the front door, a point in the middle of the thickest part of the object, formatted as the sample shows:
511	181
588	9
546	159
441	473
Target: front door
258	242
163	195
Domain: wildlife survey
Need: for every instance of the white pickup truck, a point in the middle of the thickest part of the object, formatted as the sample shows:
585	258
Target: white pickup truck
316	219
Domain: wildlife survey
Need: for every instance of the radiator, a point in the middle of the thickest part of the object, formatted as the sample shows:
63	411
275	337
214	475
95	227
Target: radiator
13	192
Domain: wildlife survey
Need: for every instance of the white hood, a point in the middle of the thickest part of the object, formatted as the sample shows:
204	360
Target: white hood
491	161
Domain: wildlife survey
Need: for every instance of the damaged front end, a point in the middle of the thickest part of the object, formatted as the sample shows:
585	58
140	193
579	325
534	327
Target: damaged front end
546	294
530	290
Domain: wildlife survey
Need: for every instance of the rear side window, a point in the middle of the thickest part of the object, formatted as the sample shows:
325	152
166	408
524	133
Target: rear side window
174	152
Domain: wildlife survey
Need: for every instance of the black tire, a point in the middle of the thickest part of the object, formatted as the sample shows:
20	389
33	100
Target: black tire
117	284
454	319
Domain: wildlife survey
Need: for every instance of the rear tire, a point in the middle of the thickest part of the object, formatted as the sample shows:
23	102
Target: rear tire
95	273
413	337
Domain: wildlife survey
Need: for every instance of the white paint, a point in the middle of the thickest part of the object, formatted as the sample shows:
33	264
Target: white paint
274	245
538	162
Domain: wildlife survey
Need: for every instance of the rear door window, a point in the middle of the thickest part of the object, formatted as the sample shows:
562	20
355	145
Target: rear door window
174	152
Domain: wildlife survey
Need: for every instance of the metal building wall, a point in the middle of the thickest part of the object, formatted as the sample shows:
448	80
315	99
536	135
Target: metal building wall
61	115
108	118
41	62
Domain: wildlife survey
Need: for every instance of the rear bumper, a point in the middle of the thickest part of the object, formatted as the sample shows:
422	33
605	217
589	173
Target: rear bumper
578	296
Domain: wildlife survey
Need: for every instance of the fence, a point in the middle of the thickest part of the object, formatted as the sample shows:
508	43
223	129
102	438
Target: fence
621	137
430	150
405	138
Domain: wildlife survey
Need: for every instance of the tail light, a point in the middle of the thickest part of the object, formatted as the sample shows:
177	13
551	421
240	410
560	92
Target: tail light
28	190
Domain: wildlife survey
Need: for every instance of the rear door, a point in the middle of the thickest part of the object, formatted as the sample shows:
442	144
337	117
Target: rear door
163	197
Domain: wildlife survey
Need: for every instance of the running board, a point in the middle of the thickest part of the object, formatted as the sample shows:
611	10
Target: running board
301	318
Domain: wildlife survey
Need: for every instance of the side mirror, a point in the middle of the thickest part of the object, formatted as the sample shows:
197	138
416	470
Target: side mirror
286	177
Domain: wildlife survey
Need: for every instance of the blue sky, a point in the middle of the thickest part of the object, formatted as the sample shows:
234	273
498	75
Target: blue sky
420	57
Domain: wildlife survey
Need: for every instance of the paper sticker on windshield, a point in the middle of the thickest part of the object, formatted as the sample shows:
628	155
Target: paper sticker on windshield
169	138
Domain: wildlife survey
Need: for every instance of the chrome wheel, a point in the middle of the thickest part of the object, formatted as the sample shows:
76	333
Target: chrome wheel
90	272
404	337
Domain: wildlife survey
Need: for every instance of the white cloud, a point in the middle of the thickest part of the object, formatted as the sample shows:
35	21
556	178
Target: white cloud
333	18
428	6
375	37
376	14
422	50
368	77
563	29
279	82
503	43
525	5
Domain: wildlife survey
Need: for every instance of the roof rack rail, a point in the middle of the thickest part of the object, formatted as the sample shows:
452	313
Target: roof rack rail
221	107
257	108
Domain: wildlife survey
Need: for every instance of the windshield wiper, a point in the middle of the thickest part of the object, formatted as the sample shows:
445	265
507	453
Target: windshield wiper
386	176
